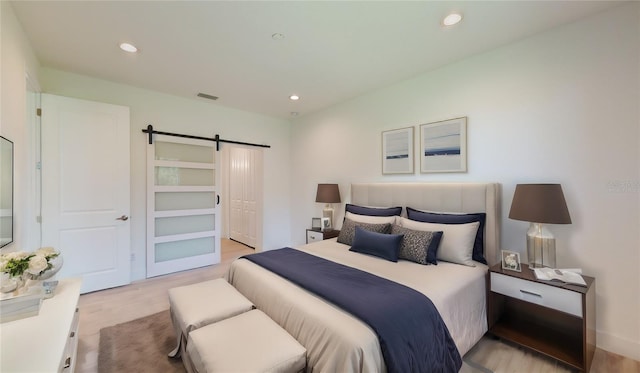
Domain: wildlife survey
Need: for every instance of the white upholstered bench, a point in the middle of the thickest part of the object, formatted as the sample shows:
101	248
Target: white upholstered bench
249	342
198	305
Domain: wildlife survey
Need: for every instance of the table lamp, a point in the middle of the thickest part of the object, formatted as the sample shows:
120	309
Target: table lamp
540	204
328	193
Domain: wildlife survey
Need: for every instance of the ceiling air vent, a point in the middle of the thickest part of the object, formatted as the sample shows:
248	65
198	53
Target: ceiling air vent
204	95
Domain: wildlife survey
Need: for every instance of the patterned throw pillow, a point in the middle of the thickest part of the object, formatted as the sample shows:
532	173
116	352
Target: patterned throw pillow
348	230
418	246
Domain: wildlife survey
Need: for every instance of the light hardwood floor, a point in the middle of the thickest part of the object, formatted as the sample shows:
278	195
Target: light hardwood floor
146	297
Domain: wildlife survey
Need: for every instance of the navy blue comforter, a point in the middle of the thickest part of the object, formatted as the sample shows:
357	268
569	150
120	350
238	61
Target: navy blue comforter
412	335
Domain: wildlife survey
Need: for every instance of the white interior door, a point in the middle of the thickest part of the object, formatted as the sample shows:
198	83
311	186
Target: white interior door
86	189
183	219
245	191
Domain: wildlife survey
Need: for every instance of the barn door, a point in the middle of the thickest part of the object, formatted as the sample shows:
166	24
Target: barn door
183	220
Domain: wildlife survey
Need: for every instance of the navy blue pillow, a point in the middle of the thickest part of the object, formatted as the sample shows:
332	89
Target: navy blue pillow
431	217
385	246
373	211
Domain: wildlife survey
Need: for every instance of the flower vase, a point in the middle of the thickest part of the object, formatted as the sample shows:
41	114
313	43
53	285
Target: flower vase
45	279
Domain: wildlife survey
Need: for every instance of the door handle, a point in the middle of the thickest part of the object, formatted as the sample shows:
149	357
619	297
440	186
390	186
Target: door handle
123	218
217	199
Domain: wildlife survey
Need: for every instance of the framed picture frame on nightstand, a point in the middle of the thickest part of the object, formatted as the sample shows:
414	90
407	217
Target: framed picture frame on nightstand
316	223
511	261
326	225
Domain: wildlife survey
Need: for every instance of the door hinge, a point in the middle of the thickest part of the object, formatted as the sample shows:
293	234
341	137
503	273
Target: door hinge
39	112
38	165
38	219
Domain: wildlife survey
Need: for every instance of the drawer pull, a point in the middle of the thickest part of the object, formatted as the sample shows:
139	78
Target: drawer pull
67	363
73	334
530	293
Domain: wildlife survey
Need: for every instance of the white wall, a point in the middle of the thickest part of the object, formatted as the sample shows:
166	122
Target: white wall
557	107
194	117
18	61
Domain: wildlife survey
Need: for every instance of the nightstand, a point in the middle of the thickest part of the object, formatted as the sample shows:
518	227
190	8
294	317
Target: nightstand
314	235
549	317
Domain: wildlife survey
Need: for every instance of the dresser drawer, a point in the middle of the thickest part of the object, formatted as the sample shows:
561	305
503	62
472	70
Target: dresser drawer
545	295
313	236
68	363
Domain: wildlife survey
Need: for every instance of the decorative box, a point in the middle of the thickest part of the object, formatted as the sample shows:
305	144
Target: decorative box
26	304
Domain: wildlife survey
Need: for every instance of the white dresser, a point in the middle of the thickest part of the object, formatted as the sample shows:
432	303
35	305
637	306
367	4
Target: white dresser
47	342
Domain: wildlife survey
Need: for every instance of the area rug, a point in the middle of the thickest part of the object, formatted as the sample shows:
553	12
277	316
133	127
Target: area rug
142	346
139	346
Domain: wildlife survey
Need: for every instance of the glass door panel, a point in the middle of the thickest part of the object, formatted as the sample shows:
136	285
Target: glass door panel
184	224
171	151
167	251
184	201
184	176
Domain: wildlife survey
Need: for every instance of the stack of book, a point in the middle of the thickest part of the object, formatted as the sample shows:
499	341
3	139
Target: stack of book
18	306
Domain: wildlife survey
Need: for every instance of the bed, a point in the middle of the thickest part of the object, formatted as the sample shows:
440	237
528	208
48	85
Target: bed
336	340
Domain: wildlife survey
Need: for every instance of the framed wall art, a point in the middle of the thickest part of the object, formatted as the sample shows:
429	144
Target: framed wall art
397	151
443	146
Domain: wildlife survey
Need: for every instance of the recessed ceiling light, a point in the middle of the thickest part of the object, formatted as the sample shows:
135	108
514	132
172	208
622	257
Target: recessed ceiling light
452	19
128	47
294	97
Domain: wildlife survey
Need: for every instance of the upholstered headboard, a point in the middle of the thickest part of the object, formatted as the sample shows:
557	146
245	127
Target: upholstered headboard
440	197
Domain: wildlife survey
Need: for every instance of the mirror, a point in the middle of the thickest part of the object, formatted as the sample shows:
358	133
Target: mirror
6	192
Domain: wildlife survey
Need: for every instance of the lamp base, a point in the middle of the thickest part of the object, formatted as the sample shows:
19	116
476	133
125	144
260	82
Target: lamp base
327	212
541	247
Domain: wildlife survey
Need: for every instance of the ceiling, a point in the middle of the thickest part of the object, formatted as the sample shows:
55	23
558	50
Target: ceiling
331	52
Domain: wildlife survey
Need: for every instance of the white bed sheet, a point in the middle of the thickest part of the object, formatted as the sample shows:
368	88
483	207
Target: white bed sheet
337	341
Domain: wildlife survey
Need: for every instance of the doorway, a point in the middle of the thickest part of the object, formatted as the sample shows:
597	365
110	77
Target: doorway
244	194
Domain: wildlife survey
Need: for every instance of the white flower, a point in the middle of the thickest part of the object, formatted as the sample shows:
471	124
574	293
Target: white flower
37	264
47	251
16	255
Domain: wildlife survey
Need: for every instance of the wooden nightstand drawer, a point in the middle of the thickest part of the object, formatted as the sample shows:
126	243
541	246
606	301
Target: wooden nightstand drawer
313	236
548	296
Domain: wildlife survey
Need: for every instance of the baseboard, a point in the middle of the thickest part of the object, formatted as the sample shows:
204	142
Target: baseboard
617	345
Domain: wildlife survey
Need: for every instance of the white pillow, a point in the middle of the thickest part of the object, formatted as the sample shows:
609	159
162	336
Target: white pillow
370	219
457	241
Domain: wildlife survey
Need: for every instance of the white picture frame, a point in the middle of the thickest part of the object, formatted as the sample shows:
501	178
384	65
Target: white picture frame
443	146
397	151
326	224
511	261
